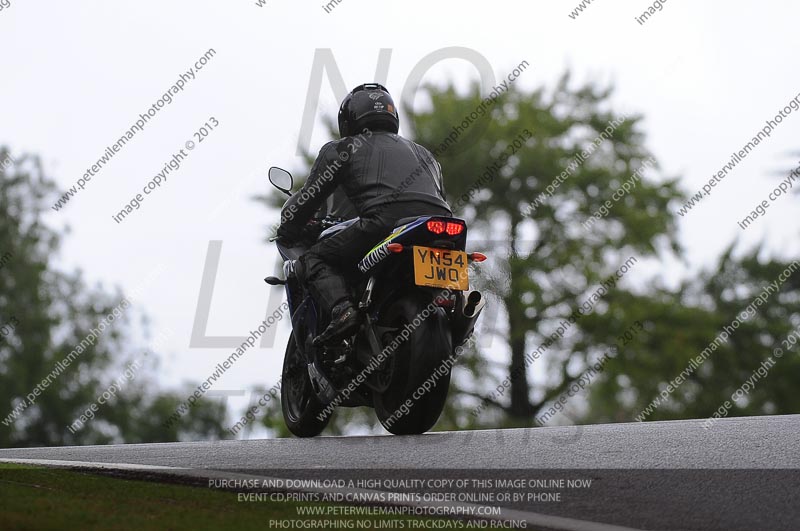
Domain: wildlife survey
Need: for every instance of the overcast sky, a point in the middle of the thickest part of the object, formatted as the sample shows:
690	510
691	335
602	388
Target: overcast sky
76	75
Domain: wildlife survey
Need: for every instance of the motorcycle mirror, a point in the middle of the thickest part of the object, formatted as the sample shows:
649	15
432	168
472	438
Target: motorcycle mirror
281	179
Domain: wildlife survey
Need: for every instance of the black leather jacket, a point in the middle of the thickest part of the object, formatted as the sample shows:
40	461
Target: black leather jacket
373	169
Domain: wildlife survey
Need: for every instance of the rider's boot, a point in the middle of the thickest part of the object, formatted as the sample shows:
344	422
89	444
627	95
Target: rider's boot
344	322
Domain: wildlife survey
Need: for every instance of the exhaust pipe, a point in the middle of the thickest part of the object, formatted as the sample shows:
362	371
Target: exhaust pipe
465	317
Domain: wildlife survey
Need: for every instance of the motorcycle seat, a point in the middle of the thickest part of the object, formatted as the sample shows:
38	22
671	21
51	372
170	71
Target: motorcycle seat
406	221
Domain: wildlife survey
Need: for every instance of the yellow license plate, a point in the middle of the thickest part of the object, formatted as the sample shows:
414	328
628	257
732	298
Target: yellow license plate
441	268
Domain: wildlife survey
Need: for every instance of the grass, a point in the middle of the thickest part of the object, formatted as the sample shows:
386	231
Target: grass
33	498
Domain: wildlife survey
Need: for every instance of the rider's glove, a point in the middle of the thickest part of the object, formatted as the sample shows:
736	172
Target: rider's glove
289	233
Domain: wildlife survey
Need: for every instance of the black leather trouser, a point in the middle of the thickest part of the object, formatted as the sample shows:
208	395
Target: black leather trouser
328	263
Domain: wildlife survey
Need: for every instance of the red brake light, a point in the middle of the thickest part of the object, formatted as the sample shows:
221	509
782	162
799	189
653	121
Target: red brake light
451	228
454	228
395	247
436	227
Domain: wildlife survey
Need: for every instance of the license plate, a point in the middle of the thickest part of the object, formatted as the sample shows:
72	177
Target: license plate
441	268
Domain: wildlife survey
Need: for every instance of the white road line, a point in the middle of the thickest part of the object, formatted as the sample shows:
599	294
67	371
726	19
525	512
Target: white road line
461	509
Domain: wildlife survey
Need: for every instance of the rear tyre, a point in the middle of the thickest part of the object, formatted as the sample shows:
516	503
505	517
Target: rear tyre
415	361
299	403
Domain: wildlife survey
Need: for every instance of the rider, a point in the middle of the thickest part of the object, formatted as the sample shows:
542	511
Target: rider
386	178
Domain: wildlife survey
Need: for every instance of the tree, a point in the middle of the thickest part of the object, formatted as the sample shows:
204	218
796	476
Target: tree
708	313
46	315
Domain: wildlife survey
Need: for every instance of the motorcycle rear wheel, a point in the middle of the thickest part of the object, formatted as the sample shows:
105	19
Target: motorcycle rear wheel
415	361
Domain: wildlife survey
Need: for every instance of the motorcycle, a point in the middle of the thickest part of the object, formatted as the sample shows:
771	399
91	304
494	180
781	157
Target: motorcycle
413	295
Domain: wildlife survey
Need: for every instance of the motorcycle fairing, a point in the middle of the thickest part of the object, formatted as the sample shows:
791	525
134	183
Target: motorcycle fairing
381	251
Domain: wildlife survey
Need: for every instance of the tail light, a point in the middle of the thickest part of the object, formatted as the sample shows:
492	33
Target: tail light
436	227
452	228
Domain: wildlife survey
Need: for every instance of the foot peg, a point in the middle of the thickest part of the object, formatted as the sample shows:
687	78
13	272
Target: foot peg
275	281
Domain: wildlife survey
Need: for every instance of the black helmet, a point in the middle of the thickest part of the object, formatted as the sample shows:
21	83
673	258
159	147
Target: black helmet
368	106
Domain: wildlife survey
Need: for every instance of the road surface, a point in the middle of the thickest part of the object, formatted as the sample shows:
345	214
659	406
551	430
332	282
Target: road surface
743	473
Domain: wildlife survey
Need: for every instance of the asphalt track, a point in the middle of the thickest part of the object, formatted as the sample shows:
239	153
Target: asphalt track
742	473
